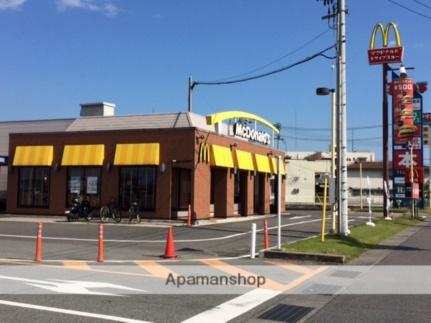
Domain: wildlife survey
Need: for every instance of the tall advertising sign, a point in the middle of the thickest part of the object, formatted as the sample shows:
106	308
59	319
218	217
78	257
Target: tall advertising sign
406	129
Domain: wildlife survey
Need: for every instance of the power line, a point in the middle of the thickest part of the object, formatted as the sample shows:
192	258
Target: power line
422	4
277	59
307	59
328	139
409	9
327	129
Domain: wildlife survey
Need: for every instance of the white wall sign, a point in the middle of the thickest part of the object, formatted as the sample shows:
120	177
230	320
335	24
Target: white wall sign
246	132
92	184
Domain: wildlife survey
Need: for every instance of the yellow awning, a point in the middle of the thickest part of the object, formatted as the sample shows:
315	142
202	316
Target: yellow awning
262	163
274	166
244	160
137	154
83	155
221	156
33	156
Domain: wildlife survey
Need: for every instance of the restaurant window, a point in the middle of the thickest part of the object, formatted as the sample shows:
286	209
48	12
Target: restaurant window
181	188
84	182
33	187
138	184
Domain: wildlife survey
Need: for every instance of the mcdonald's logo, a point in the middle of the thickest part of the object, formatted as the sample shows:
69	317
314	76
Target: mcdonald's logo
385	54
204	153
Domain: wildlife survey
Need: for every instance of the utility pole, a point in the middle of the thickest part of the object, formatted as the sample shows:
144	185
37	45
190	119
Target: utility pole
339	13
190	96
342	119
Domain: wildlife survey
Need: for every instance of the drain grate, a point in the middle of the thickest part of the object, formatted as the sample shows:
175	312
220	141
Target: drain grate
345	274
286	313
321	289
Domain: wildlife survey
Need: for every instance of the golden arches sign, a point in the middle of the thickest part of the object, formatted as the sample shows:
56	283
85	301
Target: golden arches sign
385	54
385	34
215	118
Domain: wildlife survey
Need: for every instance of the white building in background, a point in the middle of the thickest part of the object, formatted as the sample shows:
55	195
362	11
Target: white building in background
305	173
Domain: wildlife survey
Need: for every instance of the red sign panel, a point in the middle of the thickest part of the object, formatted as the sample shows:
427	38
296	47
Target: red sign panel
415	191
418	175
402	159
385	55
402	96
426	117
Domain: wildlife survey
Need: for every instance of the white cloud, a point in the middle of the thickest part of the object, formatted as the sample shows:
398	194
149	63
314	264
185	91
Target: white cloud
11	4
102	6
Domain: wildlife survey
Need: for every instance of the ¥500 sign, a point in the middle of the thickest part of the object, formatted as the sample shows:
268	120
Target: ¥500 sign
385	54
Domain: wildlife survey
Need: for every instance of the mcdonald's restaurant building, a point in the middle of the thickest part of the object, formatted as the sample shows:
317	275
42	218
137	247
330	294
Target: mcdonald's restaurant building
165	162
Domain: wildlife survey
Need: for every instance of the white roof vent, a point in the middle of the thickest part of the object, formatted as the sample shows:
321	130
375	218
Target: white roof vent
100	109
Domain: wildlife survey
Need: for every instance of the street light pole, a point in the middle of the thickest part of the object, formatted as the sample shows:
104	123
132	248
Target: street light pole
327	91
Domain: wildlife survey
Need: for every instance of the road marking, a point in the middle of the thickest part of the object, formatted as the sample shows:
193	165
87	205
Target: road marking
300	217
71	286
76	264
72	312
292	267
303	278
234	307
156	241
155	269
246	302
232	270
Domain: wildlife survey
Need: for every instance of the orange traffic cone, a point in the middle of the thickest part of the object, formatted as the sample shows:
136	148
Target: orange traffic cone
38	256
100	253
265	235
189	217
170	246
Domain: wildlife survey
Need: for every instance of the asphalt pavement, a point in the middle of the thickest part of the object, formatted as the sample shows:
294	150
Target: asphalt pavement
69	286
78	240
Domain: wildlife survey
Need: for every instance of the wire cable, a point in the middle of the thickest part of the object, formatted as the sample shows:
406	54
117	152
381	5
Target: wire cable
277	59
255	77
422	4
409	9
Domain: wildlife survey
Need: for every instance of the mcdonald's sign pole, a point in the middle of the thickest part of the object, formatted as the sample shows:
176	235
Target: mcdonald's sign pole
384	56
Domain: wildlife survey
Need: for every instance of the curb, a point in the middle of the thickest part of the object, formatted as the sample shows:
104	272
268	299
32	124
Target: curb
303	256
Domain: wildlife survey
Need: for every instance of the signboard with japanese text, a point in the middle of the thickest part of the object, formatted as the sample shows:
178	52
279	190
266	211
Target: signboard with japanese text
402	189
385	54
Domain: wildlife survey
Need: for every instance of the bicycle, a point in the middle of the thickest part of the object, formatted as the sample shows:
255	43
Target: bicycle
110	211
134	213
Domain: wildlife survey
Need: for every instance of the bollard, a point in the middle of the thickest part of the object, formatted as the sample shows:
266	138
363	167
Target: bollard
322	237
38	256
265	235
100	253
253	241
189	216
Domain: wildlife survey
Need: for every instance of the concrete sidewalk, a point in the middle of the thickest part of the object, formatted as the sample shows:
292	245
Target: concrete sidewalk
412	247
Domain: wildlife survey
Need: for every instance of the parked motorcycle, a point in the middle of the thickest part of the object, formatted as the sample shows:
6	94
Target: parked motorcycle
80	210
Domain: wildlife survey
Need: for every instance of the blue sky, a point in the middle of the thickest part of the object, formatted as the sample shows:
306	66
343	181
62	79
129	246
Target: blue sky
138	54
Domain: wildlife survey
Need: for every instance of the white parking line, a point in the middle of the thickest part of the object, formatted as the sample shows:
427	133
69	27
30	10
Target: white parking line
235	307
71	312
156	241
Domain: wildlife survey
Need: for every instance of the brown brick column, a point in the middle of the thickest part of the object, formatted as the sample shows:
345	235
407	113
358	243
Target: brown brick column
223	193
265	191
201	191
250	194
